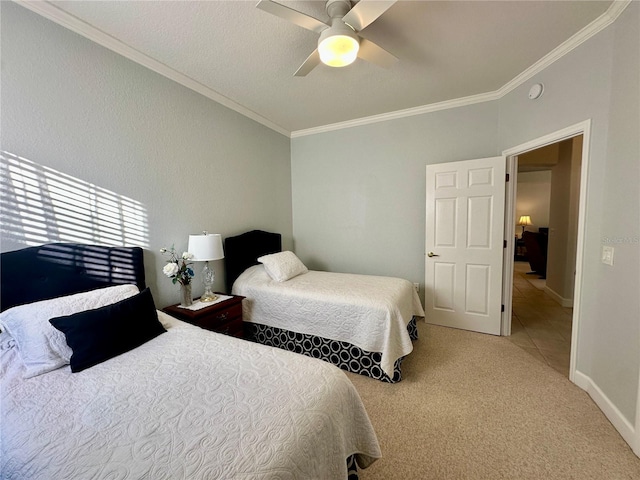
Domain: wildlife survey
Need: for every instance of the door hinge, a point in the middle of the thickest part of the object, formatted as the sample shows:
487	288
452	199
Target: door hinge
502	308
507	177
504	244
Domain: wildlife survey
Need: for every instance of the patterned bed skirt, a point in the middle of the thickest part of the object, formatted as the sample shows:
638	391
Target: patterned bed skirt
352	468
341	354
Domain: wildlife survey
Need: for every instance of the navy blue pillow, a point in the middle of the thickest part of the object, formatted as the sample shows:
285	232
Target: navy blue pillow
106	332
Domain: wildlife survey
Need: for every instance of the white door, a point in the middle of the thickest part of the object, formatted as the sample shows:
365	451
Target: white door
464	242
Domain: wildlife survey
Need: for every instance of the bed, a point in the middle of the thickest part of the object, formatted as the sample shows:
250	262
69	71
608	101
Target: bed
361	323
184	403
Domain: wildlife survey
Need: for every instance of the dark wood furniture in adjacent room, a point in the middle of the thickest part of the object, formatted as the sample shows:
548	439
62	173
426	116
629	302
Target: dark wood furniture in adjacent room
222	317
520	251
536	245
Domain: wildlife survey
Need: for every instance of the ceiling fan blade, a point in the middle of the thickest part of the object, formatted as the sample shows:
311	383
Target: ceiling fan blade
293	16
374	53
309	64
366	12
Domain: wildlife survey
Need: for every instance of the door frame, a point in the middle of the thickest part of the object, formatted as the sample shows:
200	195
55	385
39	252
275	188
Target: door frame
584	129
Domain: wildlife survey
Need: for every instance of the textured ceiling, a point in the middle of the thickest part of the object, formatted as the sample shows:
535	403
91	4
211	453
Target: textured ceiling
447	50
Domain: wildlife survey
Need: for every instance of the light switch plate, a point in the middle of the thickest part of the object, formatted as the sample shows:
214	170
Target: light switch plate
417	287
607	255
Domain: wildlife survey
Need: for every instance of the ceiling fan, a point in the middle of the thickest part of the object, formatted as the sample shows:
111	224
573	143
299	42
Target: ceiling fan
339	43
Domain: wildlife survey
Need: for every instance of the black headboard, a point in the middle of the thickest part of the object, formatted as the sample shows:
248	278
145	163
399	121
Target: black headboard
57	269
241	251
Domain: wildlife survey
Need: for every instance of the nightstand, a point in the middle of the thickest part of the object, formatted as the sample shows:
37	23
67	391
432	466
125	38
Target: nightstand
520	252
222	317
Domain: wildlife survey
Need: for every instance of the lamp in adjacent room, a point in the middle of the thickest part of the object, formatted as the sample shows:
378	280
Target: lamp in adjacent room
525	221
205	248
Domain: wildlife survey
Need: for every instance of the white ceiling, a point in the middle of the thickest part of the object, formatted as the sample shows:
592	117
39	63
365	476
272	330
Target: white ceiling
245	57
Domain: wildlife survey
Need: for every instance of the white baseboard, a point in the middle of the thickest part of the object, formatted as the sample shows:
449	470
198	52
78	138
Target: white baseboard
620	423
565	302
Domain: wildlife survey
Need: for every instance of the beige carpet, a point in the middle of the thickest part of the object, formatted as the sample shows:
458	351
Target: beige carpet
474	406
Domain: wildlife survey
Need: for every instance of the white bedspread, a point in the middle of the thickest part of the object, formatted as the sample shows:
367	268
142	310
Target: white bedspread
189	404
368	311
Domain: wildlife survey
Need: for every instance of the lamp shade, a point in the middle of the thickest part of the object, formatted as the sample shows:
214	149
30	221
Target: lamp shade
525	220
205	247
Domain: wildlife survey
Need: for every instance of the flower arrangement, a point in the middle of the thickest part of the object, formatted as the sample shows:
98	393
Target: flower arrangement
178	268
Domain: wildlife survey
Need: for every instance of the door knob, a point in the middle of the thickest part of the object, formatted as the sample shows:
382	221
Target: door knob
431	254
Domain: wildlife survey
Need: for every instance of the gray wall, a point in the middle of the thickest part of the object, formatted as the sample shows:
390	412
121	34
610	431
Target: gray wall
76	109
616	353
534	192
563	218
599	81
358	193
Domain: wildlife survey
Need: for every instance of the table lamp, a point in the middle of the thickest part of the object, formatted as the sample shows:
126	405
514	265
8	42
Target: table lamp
206	247
525	221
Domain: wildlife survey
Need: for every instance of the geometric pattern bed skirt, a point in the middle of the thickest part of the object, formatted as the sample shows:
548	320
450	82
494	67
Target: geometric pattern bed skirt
352	468
341	354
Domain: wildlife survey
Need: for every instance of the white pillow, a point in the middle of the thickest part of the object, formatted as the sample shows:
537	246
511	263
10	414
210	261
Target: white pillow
42	347
282	266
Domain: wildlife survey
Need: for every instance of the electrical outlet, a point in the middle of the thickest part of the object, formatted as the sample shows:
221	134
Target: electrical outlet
607	255
416	285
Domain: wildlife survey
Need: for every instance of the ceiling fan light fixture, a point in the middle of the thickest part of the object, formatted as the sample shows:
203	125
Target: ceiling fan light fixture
338	47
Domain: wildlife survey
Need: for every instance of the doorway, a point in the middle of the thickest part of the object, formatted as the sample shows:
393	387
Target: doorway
547	193
561	292
539	325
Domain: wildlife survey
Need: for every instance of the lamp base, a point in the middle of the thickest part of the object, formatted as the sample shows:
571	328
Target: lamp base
208	277
208	296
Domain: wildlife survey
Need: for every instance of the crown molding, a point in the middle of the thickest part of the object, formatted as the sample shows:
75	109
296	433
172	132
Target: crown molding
433	107
80	27
73	23
596	26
